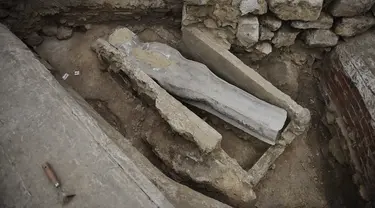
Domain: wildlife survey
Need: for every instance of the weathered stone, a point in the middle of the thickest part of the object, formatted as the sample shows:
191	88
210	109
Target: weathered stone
181	119
196	2
320	38
216	99
210	23
265	33
219	36
349	8
350	26
282	73
34	39
150	35
195	14
325	21
248	31
226	15
271	22
178	194
217	171
49	30
253	6
260	50
260	168
306	10
285	37
32	97
64	33
223	63
373	10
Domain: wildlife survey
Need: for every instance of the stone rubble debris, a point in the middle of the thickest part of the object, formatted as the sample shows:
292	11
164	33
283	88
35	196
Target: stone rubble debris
216	170
270	22
174	73
64	33
265	33
260	50
248	31
285	36
226	15
196	2
351	26
180	118
253	6
325	21
235	21
306	10
349	8
320	38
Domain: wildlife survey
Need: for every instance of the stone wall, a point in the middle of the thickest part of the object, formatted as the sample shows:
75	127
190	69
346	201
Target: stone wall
24	17
348	81
258	26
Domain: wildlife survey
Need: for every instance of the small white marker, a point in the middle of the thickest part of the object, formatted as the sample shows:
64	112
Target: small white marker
76	73
66	75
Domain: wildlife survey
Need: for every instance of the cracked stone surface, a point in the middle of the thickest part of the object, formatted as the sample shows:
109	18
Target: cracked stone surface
265	33
253	6
306	10
271	22
285	37
349	8
351	26
320	38
325	21
216	170
184	79
248	31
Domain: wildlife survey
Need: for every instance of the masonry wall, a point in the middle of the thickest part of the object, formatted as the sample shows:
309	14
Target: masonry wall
345	73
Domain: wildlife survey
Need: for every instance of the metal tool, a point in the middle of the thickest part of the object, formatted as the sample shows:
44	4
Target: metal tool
66	198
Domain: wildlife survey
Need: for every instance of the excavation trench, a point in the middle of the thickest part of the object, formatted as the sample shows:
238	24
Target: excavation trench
112	96
303	176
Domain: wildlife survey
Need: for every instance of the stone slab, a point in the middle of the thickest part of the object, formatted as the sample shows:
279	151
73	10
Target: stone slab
40	121
218	172
195	83
180	118
227	66
179	195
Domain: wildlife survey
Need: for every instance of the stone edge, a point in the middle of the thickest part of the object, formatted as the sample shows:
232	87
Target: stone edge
179	117
300	117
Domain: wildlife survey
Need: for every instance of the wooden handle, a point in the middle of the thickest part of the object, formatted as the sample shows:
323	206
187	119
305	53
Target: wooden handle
51	174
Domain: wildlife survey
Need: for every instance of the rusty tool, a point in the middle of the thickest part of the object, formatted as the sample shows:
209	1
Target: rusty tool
66	197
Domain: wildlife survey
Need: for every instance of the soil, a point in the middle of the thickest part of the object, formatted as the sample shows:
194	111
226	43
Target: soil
304	175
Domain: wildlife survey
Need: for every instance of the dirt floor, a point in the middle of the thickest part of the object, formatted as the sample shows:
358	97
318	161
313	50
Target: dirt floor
302	177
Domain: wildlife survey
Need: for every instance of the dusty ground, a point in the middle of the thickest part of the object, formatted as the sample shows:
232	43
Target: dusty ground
306	174
303	175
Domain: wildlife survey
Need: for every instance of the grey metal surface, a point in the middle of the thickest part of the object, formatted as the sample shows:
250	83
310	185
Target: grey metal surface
197	85
40	121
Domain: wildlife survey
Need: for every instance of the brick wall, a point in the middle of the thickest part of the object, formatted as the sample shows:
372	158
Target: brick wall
350	106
